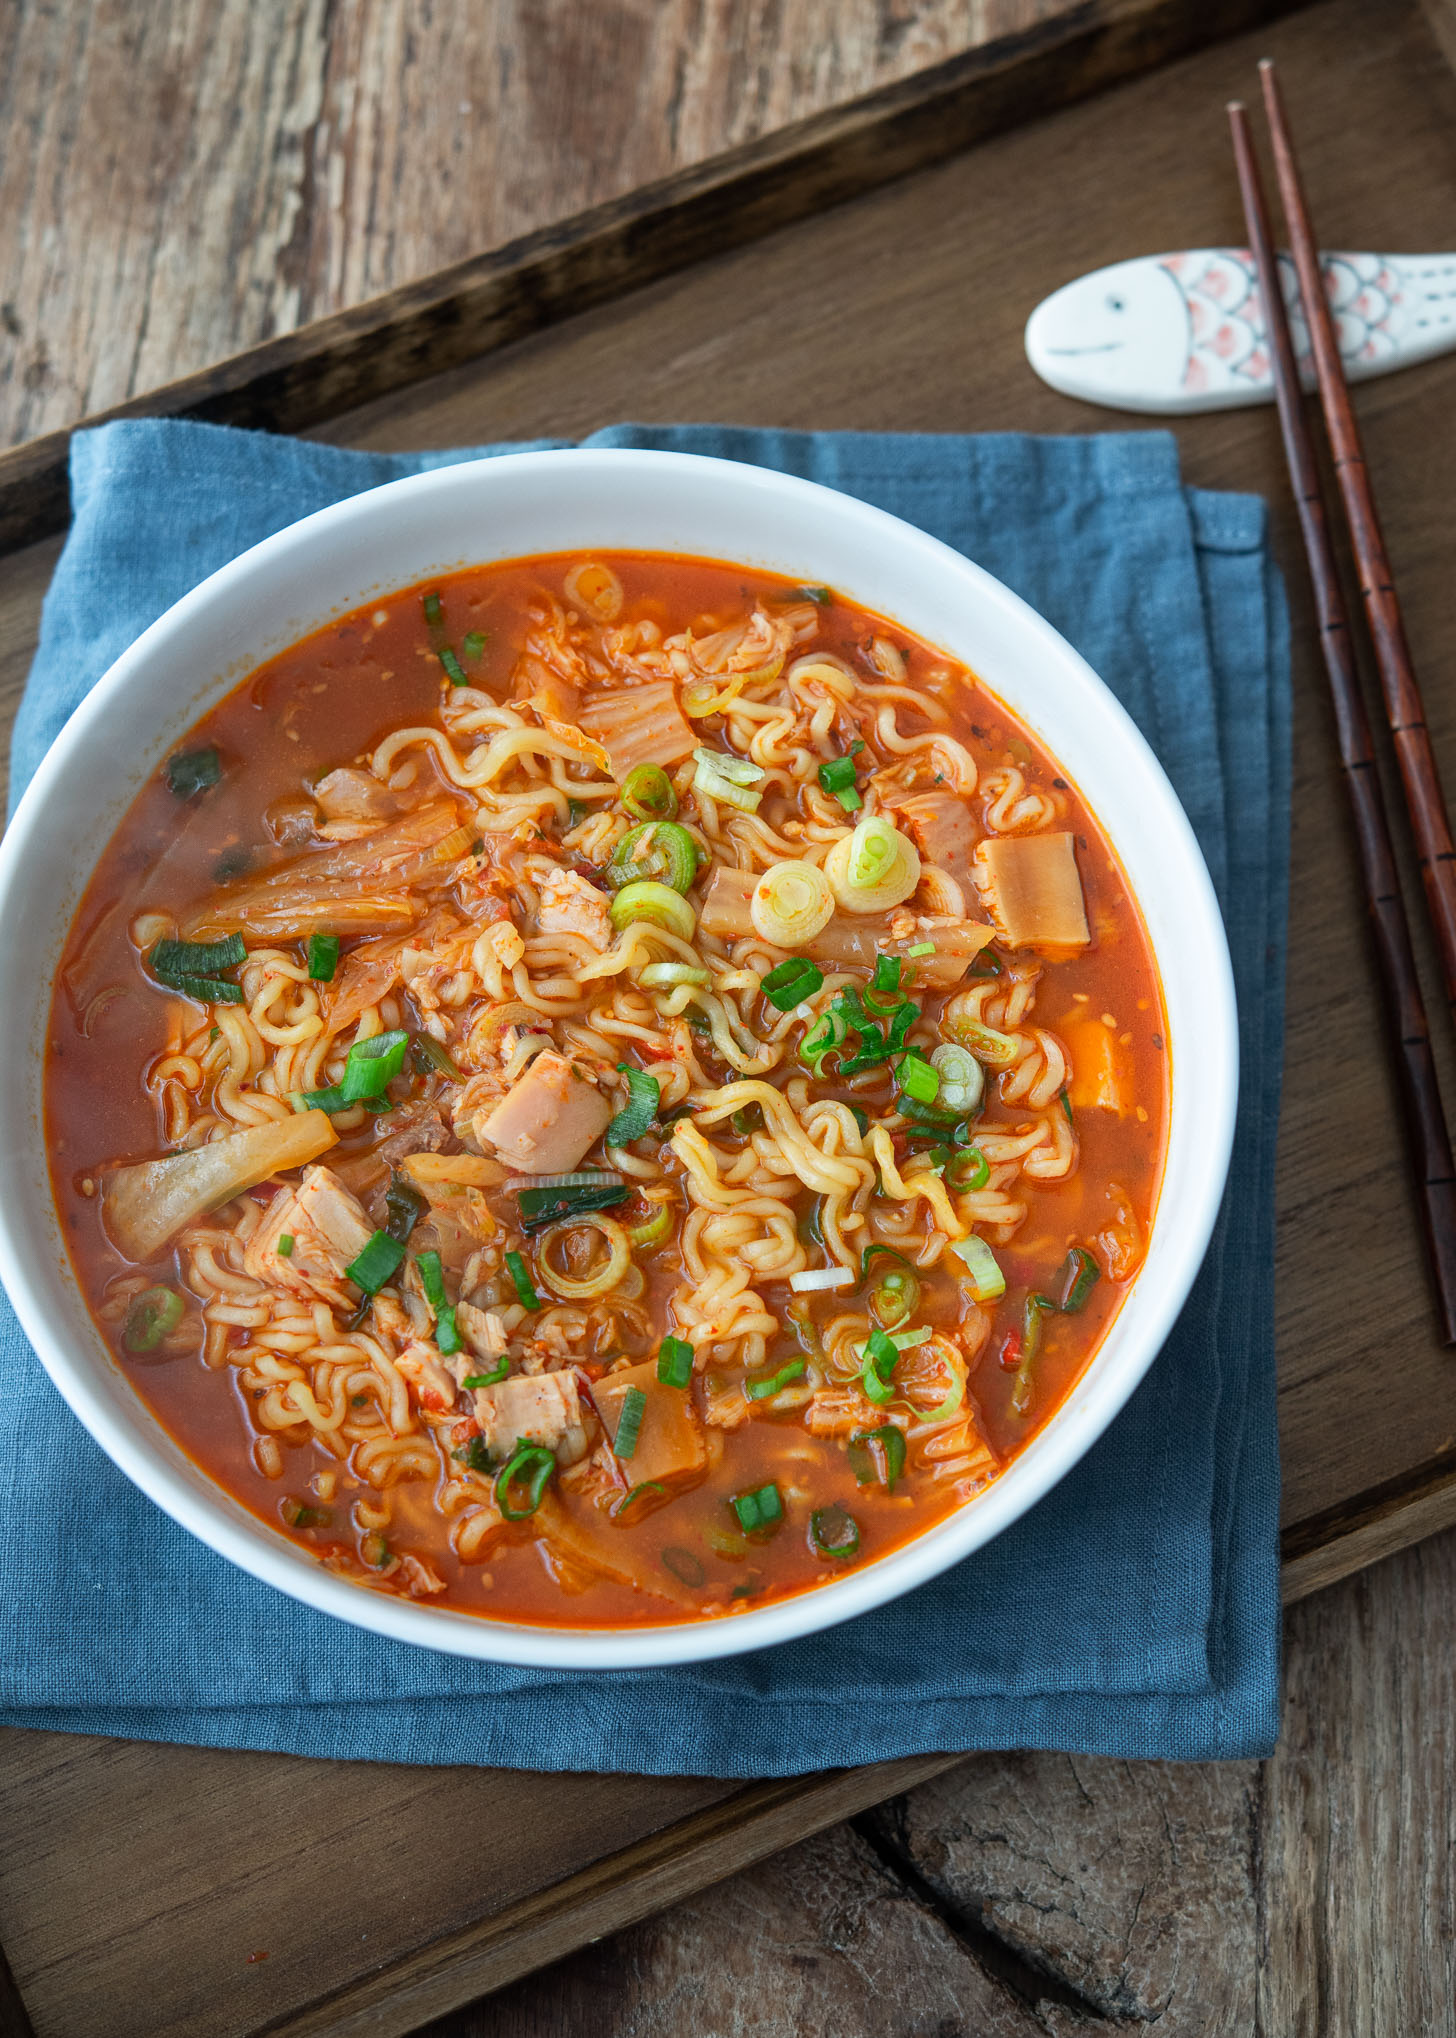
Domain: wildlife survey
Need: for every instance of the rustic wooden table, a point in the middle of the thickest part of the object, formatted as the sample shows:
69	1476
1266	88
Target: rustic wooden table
176	183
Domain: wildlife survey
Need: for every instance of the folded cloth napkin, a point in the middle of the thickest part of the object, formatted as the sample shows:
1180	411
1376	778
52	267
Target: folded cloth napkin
1135	1610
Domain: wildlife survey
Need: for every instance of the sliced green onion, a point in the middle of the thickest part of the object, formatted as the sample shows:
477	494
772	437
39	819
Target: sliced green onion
921	948
875	1252
323	957
378	1263
986	1280
656	1228
760	1390
962	1080
828	1033
997	1050
674	1362
887	973
895	1296
434	609
1064	1099
721	776
474	643
968	1171
760	1512
647	792
683	1564
877	1454
629	1422
298	1514
432	1279
657	904
644	1094
791	982
405	1206
427	1053
918	1079
986	964
820	596
881	1356
839	778
821	1280
206	990
285	1244
540	1207
474	1455
1023	1387
834	1532
661	850
521	1280
454	670
371	1067
498	1372
635	1494
198	958
153	1314
533	1465
1080	1275
192	771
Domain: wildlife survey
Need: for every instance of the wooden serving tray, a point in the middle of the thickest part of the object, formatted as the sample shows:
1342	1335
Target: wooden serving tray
159	1892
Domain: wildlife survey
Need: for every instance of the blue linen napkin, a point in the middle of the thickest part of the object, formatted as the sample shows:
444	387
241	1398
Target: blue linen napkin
1135	1610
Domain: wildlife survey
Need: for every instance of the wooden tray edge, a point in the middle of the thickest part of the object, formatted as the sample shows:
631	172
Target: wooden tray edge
1329	1546
760	1820
355	357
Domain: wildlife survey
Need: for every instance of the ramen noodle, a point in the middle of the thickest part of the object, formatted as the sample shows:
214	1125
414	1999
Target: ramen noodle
606	1090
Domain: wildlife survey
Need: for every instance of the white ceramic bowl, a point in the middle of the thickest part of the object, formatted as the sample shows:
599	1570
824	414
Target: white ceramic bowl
528	503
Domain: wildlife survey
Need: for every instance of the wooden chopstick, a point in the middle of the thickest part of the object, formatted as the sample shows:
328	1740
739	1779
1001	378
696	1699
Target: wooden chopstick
1428	1139
1404	709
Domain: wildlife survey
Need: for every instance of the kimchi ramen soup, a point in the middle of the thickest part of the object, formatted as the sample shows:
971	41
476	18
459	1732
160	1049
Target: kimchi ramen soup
606	1090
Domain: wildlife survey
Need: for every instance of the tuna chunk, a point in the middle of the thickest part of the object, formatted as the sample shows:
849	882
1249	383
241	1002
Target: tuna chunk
548	1118
638	725
329	1230
544	1408
670	1443
940	826
484	1331
572	905
430	1377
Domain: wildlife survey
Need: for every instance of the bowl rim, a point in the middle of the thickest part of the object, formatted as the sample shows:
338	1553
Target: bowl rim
247	1541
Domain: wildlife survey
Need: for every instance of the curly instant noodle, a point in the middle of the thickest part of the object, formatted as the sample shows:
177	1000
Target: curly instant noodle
473	1186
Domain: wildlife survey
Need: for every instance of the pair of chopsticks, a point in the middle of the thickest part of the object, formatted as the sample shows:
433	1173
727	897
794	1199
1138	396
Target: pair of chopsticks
1430	1143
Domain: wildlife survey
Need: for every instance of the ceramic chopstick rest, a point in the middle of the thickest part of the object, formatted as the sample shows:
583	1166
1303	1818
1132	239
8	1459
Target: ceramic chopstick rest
1185	332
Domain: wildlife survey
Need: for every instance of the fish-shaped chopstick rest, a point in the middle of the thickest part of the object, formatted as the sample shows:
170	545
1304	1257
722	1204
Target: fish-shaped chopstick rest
1185	332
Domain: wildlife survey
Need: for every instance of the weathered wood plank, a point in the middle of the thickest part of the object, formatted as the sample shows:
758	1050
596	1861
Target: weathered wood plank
1358	1906
458	314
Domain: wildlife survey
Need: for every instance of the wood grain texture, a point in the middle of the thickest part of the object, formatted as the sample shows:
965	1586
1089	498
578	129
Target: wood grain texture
147	1924
184	181
1067	1897
459	314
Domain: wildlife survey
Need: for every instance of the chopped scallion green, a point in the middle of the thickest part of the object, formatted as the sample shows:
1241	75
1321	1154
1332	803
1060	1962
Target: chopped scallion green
790	983
432	1280
533	1465
834	1532
629	1422
521	1280
152	1316
675	1362
760	1390
644	1093
379	1262
285	1244
192	771
323	957
760	1512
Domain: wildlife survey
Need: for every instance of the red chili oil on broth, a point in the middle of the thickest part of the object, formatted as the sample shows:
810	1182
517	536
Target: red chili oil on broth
467	872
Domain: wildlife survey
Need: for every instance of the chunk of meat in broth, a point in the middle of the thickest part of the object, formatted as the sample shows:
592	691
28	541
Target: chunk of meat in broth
328	1230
